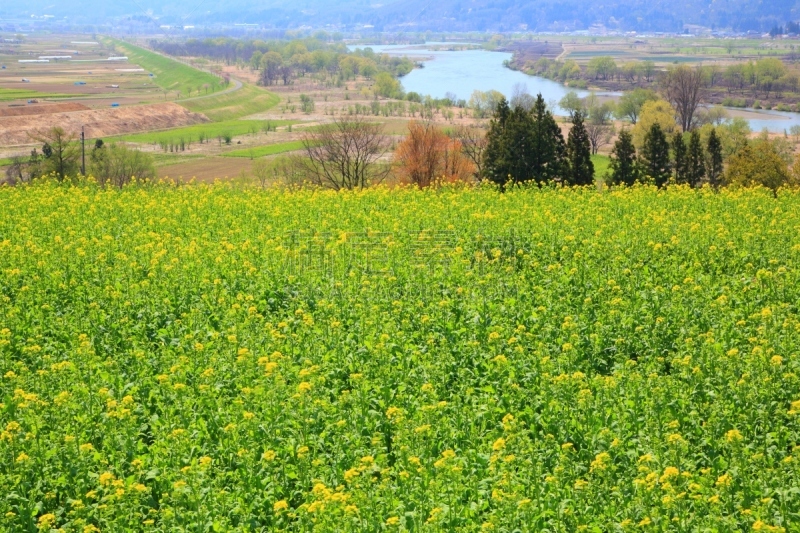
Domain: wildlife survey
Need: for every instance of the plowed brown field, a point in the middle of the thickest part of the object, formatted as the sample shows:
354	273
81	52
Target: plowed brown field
20	130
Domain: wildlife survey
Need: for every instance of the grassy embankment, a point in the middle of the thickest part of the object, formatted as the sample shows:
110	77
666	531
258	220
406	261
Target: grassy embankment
225	109
246	101
173	75
211	130
169	74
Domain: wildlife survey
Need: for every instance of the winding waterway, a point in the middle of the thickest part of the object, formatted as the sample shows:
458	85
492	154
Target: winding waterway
461	72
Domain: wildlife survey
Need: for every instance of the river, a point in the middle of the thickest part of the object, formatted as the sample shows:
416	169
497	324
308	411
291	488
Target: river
461	72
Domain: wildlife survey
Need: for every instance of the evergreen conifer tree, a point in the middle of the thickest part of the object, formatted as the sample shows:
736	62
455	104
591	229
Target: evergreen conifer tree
548	149
714	162
655	155
579	154
696	160
681	163
524	146
520	145
624	166
496	156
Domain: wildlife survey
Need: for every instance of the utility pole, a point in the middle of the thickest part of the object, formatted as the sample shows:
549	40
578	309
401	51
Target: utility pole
83	152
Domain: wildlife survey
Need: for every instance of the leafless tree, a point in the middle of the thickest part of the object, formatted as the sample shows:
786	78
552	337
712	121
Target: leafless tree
16	172
682	87
473	144
522	97
599	134
345	153
598	126
286	74
261	170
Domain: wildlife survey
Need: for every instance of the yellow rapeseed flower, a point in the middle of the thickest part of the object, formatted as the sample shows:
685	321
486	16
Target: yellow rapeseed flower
351	474
46	521
724	480
600	462
733	435
393	412
280	505
670	472
268	455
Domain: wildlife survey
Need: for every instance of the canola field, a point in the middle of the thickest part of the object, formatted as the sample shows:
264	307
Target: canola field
217	358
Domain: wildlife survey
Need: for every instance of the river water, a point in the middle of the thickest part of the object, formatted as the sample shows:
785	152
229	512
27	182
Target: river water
463	71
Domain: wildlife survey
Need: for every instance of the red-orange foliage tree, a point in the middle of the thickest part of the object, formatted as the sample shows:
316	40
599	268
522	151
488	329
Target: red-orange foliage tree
427	155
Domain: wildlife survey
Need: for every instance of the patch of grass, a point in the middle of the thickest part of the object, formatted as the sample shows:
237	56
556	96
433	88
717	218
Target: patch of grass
170	75
262	151
601	165
236	104
21	94
211	131
165	159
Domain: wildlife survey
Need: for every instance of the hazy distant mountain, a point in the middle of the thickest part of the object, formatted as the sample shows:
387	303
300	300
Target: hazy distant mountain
415	15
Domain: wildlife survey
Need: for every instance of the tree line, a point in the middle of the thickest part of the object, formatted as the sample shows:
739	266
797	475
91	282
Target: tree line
524	144
281	61
60	157
688	159
762	78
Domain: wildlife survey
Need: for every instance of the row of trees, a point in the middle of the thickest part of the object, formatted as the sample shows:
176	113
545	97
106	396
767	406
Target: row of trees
661	160
60	157
681	88
761	78
352	152
525	144
760	162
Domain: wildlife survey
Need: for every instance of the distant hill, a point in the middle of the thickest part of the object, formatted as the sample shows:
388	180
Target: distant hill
439	15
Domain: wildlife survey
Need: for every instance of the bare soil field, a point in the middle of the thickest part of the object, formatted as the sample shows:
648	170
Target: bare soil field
18	130
207	169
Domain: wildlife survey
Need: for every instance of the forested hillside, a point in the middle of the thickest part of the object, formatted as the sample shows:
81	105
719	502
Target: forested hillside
448	15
